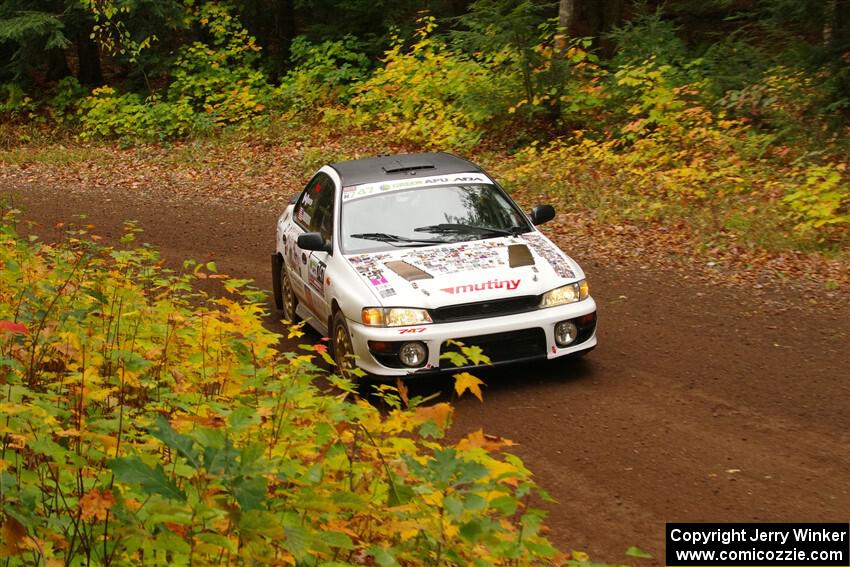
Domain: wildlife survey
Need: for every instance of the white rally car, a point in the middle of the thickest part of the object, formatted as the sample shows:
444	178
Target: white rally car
394	256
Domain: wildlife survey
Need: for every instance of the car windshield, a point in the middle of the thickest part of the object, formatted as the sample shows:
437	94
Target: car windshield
426	216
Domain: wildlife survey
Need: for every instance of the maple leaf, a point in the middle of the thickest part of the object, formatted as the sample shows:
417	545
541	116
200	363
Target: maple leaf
439	413
465	381
475	355
14	534
483	440
95	504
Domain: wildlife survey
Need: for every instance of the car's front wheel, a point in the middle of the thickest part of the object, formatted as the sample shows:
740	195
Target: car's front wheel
289	301
343	349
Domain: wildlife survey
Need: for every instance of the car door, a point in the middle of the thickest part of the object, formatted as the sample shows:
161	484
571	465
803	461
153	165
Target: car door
313	213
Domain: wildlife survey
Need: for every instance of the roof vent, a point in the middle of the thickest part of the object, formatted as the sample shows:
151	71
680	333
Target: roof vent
409	167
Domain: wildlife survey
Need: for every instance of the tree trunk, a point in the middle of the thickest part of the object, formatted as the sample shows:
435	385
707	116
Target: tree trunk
284	29
89	72
566	13
841	22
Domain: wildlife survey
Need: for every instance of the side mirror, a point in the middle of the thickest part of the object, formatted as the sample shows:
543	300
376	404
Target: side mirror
313	241
542	213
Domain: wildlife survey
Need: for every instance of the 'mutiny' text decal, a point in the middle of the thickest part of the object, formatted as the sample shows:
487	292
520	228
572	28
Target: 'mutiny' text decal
510	285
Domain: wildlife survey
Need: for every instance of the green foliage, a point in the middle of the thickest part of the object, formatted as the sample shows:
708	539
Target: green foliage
214	84
669	157
432	95
512	26
112	31
15	104
146	423
26	25
324	74
66	96
107	114
219	78
648	36
821	202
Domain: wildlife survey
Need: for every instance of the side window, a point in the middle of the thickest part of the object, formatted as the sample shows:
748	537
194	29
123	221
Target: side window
314	211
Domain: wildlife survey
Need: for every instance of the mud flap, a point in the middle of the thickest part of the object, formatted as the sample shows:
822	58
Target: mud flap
277	266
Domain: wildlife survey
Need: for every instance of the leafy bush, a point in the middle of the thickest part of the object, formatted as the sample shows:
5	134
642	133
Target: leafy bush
107	114
324	74
431	95
146	423
220	79
213	84
66	96
821	201
672	158
16	104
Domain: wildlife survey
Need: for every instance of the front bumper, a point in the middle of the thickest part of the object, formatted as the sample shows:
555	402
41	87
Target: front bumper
435	335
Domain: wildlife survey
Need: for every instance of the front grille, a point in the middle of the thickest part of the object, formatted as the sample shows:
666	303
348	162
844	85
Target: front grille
503	347
483	309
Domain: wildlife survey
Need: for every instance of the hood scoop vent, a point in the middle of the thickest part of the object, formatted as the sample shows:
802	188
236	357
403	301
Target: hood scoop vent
407	271
519	255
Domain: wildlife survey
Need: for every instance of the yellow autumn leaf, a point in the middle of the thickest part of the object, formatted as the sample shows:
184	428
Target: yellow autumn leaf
465	381
301	359
486	442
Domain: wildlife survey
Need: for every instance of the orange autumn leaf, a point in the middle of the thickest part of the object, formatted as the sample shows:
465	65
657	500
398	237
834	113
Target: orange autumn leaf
439	413
483	440
95	504
14	534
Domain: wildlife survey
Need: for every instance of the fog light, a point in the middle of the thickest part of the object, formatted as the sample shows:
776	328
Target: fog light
565	333
413	354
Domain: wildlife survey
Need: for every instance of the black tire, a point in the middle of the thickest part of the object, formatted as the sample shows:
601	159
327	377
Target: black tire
343	351
288	299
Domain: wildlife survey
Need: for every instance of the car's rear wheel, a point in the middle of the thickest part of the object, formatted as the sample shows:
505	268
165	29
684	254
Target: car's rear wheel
289	301
343	349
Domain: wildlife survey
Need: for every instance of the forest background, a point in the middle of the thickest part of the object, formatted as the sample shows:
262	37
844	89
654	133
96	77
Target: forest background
727	119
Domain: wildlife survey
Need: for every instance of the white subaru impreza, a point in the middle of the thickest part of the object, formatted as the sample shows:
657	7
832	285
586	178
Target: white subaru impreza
396	258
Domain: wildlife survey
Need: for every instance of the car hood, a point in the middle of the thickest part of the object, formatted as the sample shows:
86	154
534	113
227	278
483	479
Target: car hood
465	272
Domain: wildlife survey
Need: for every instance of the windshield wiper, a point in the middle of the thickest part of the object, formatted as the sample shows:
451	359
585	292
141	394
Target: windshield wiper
456	228
393	238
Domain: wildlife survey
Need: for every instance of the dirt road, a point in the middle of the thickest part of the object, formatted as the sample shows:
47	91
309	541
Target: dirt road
701	403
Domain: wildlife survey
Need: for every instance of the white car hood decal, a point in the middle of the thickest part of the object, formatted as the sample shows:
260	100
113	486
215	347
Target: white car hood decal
465	272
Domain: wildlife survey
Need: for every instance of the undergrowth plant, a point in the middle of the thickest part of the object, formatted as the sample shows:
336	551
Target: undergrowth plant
430	95
671	157
145	423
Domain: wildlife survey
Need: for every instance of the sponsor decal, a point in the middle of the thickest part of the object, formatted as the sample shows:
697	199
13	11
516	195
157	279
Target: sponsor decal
509	285
316	274
291	248
549	253
465	257
367	189
371	268
411	330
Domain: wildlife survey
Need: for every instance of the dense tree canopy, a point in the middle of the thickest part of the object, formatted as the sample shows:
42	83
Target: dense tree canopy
44	40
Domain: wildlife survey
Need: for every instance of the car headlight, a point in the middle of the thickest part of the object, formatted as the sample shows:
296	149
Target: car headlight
394	316
569	293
